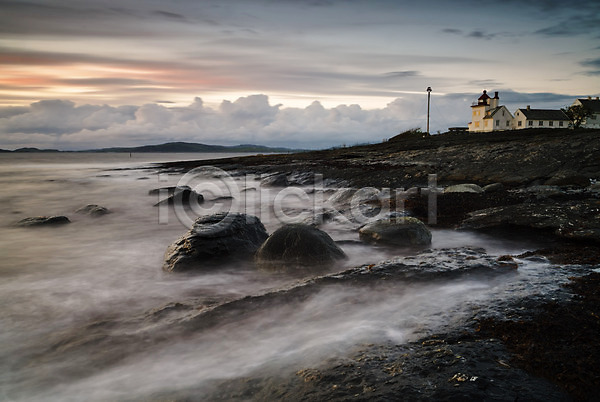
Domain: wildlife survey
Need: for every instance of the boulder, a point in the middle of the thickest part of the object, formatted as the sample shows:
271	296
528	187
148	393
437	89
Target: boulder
216	240
43	221
93	210
298	245
464	188
405	231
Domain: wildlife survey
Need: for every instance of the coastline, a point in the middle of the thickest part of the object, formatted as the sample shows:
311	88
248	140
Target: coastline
536	170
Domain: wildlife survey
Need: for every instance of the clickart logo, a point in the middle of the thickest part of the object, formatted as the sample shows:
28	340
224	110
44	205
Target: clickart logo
208	190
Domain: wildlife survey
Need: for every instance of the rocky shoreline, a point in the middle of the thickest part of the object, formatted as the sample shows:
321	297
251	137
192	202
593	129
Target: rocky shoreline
543	183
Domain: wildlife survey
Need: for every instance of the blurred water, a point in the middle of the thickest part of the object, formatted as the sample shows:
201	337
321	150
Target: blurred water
58	283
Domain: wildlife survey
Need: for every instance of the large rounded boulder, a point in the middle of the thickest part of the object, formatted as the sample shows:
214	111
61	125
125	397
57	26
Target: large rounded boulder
298	245
216	240
404	231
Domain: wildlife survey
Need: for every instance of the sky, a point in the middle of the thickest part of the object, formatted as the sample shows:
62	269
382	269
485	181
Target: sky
82	74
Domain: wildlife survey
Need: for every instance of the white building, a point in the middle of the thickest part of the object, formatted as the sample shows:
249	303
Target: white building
540	118
487	115
593	105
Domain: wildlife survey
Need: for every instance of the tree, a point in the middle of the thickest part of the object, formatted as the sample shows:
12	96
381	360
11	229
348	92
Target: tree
577	114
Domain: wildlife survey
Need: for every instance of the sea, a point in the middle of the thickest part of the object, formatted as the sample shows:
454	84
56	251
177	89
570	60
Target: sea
87	312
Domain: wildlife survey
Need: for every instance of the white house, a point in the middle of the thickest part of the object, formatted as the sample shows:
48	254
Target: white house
487	115
594	105
540	118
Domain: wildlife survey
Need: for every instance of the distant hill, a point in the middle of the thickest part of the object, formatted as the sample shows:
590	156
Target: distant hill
194	147
34	150
176	147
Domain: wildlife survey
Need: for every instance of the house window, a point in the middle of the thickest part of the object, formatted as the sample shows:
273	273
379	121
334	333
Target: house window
531	122
560	123
476	124
551	123
520	123
507	123
541	123
497	123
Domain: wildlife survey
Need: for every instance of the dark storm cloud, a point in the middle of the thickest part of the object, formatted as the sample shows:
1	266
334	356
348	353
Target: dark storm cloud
480	34
489	83
452	31
401	74
31	18
584	24
477	34
170	15
521	99
593	64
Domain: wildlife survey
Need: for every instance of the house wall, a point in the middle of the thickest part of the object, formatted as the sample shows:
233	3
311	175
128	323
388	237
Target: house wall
521	122
488	125
477	115
502	119
592	121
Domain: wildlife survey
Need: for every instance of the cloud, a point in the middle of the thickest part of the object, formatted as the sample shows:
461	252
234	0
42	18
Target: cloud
583	24
480	34
453	31
252	119
170	15
477	34
489	83
594	64
401	74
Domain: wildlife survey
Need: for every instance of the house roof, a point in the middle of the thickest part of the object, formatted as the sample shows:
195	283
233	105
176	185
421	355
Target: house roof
495	110
591	104
544	114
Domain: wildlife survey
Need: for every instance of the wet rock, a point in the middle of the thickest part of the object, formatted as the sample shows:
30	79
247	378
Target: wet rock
276	180
301	178
184	197
405	231
168	190
341	197
490	188
578	220
93	210
215	240
464	188
543	191
594	187
568	178
43	221
298	245
319	218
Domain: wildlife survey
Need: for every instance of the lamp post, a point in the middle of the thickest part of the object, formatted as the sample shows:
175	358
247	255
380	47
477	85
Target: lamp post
428	102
